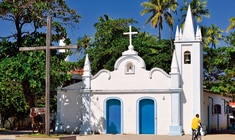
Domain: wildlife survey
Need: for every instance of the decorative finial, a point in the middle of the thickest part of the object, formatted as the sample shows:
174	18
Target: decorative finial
177	34
130	47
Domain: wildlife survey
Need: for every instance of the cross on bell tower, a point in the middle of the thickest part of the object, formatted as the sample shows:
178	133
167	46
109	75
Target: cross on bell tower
130	47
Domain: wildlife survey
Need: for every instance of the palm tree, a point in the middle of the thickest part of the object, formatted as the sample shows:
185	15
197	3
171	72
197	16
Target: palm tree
160	11
83	43
232	24
198	9
212	36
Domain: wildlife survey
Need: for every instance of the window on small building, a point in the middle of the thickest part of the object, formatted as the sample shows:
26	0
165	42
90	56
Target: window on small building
130	68
187	57
217	109
228	109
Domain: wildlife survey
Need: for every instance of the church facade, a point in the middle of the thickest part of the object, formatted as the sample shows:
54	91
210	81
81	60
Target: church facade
133	100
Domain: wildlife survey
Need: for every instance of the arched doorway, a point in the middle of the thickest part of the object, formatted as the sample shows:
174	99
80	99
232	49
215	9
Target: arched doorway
146	116
113	116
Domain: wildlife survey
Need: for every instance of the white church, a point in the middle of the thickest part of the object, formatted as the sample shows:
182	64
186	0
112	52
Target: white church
133	100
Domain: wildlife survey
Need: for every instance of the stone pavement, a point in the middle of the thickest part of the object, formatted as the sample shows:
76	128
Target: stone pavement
140	137
221	136
154	137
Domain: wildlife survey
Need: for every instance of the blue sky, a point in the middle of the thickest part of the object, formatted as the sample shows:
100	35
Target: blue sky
91	10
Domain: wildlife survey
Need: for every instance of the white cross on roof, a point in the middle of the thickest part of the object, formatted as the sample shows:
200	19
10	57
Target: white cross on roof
130	37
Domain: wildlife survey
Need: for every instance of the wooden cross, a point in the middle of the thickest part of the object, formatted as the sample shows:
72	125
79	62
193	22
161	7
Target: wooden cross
47	90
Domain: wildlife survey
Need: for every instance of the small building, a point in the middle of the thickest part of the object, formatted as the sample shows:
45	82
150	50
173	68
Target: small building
133	100
216	112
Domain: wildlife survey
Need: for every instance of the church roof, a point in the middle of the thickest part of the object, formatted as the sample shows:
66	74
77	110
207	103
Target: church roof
232	104
77	87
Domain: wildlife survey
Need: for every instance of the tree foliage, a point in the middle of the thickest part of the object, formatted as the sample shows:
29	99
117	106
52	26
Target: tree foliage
109	43
212	35
230	39
22	81
160	12
219	70
29	16
22	76
232	24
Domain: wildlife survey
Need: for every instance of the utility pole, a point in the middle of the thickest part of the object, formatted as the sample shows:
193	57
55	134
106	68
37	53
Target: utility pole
47	90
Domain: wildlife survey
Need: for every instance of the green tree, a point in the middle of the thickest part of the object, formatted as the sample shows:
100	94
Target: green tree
160	12
22	81
232	24
230	39
12	101
29	16
155	53
109	43
23	73
219	70
83	43
212	36
198	10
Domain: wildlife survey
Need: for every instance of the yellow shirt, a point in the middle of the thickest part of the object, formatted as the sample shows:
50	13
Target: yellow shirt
195	122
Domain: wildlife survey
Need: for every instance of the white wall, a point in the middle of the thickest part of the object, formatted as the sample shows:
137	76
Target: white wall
129	103
70	113
216	122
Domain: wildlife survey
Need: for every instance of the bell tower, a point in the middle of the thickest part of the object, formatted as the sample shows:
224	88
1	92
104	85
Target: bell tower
188	48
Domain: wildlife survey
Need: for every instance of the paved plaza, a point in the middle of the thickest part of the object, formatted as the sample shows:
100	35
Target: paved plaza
154	137
221	136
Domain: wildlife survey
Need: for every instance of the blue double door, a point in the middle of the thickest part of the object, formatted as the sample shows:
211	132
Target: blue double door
146	116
